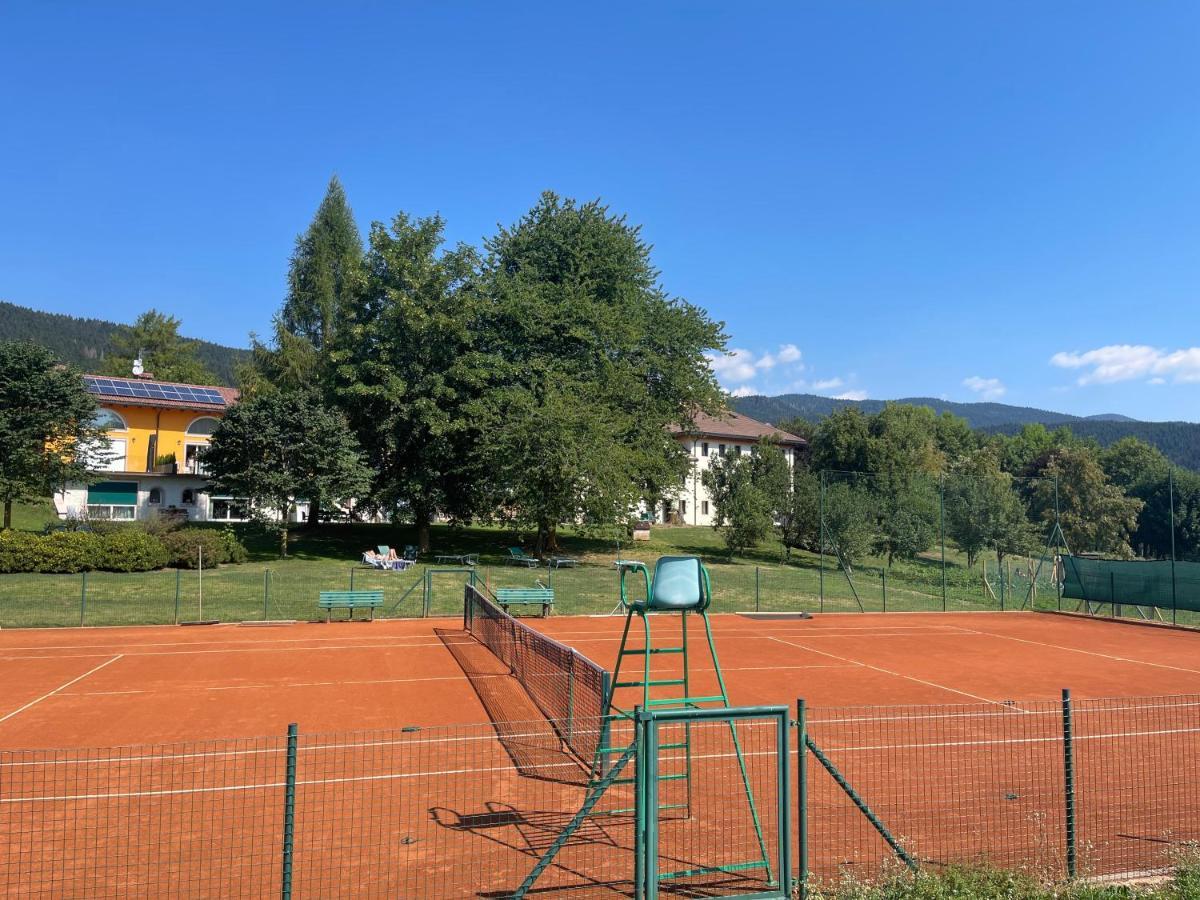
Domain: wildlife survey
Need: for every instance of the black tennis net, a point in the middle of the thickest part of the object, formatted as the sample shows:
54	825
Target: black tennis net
569	689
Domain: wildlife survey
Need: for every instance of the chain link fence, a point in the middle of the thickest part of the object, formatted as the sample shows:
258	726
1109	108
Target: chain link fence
1090	789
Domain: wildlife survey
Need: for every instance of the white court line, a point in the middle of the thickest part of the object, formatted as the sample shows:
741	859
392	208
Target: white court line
5	718
459	678
933	684
399	776
1110	656
108	648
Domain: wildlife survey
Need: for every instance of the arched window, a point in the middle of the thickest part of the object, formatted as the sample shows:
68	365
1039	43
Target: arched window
203	427
107	420
155	495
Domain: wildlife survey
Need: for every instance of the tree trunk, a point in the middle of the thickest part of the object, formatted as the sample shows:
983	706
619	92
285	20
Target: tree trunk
314	511
7	515
422	519
283	540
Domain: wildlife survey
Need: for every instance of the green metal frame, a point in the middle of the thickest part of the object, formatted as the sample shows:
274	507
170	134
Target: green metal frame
686	708
647	876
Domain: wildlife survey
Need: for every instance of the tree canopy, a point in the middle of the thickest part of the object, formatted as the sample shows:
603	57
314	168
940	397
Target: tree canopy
164	354
279	448
48	433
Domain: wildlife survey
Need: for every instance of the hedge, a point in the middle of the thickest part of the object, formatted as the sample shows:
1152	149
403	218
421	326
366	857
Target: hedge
123	550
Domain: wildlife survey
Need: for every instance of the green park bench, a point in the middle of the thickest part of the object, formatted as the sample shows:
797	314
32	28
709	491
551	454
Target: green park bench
534	596
351	600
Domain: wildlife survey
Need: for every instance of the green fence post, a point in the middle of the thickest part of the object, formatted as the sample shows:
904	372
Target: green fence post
266	593
427	600
1171	496
802	796
757	592
352	578
942	522
1069	779
178	586
289	813
82	597
883	578
821	545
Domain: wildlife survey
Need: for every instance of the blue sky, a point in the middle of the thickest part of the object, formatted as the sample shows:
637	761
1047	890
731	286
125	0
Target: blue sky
967	200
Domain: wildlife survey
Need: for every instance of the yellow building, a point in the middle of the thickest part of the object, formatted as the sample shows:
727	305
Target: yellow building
156	429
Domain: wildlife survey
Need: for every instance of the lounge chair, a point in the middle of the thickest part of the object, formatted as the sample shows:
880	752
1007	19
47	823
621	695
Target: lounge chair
373	561
517	556
410	553
563	562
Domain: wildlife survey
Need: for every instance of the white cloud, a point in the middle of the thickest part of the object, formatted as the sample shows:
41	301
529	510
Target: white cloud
987	388
789	353
735	366
744	391
740	365
851	395
1126	362
827	384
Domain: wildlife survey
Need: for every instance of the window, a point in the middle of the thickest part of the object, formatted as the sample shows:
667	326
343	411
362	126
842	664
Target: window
683	507
737	449
108	420
721	450
204	426
189	496
115	500
704	449
704	507
155	495
229	509
191	459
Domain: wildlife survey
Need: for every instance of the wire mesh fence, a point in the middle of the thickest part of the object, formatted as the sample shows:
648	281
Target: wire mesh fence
1090	788
1083	788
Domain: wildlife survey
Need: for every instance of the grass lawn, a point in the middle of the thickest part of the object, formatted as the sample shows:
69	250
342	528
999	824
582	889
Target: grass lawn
326	557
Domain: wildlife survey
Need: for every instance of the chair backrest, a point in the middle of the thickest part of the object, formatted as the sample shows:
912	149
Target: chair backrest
410	552
678	584
516	551
383	549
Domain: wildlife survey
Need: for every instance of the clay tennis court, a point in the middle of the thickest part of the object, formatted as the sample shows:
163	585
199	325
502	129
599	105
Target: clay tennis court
405	792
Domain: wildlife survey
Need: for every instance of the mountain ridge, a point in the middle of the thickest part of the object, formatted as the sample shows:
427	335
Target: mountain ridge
83	342
1178	440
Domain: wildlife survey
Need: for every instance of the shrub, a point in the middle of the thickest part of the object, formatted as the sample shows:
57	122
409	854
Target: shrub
235	550
130	550
125	550
184	546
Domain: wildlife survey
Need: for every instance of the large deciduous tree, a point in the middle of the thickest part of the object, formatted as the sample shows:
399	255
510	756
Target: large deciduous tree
277	448
409	373
984	511
1094	514
590	362
48	433
751	494
154	338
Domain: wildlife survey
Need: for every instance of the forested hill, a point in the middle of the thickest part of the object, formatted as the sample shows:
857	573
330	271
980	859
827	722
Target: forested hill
1179	441
84	342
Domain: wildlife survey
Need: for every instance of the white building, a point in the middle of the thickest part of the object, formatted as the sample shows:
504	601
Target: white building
712	437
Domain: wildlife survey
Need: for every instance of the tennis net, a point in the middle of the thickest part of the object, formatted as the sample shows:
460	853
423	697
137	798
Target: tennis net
568	688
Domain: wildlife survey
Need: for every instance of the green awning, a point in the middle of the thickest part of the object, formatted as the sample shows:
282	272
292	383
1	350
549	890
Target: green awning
113	493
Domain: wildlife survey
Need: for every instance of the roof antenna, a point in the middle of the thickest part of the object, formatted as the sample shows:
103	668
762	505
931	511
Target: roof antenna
138	368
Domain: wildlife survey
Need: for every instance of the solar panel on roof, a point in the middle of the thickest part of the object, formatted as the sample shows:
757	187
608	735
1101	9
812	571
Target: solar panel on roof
117	387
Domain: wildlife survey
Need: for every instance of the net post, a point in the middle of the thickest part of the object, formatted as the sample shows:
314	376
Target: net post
571	697
82	597
802	796
289	813
1069	780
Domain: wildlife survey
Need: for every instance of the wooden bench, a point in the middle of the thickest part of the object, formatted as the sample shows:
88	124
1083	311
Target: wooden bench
351	600
535	596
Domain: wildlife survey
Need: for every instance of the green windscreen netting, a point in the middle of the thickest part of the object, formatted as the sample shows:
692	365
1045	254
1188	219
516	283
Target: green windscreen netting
1158	583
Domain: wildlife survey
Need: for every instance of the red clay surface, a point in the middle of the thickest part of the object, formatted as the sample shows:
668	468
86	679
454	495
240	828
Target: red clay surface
423	810
107	686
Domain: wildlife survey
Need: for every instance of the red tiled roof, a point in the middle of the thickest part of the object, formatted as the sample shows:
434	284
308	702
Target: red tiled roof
738	427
